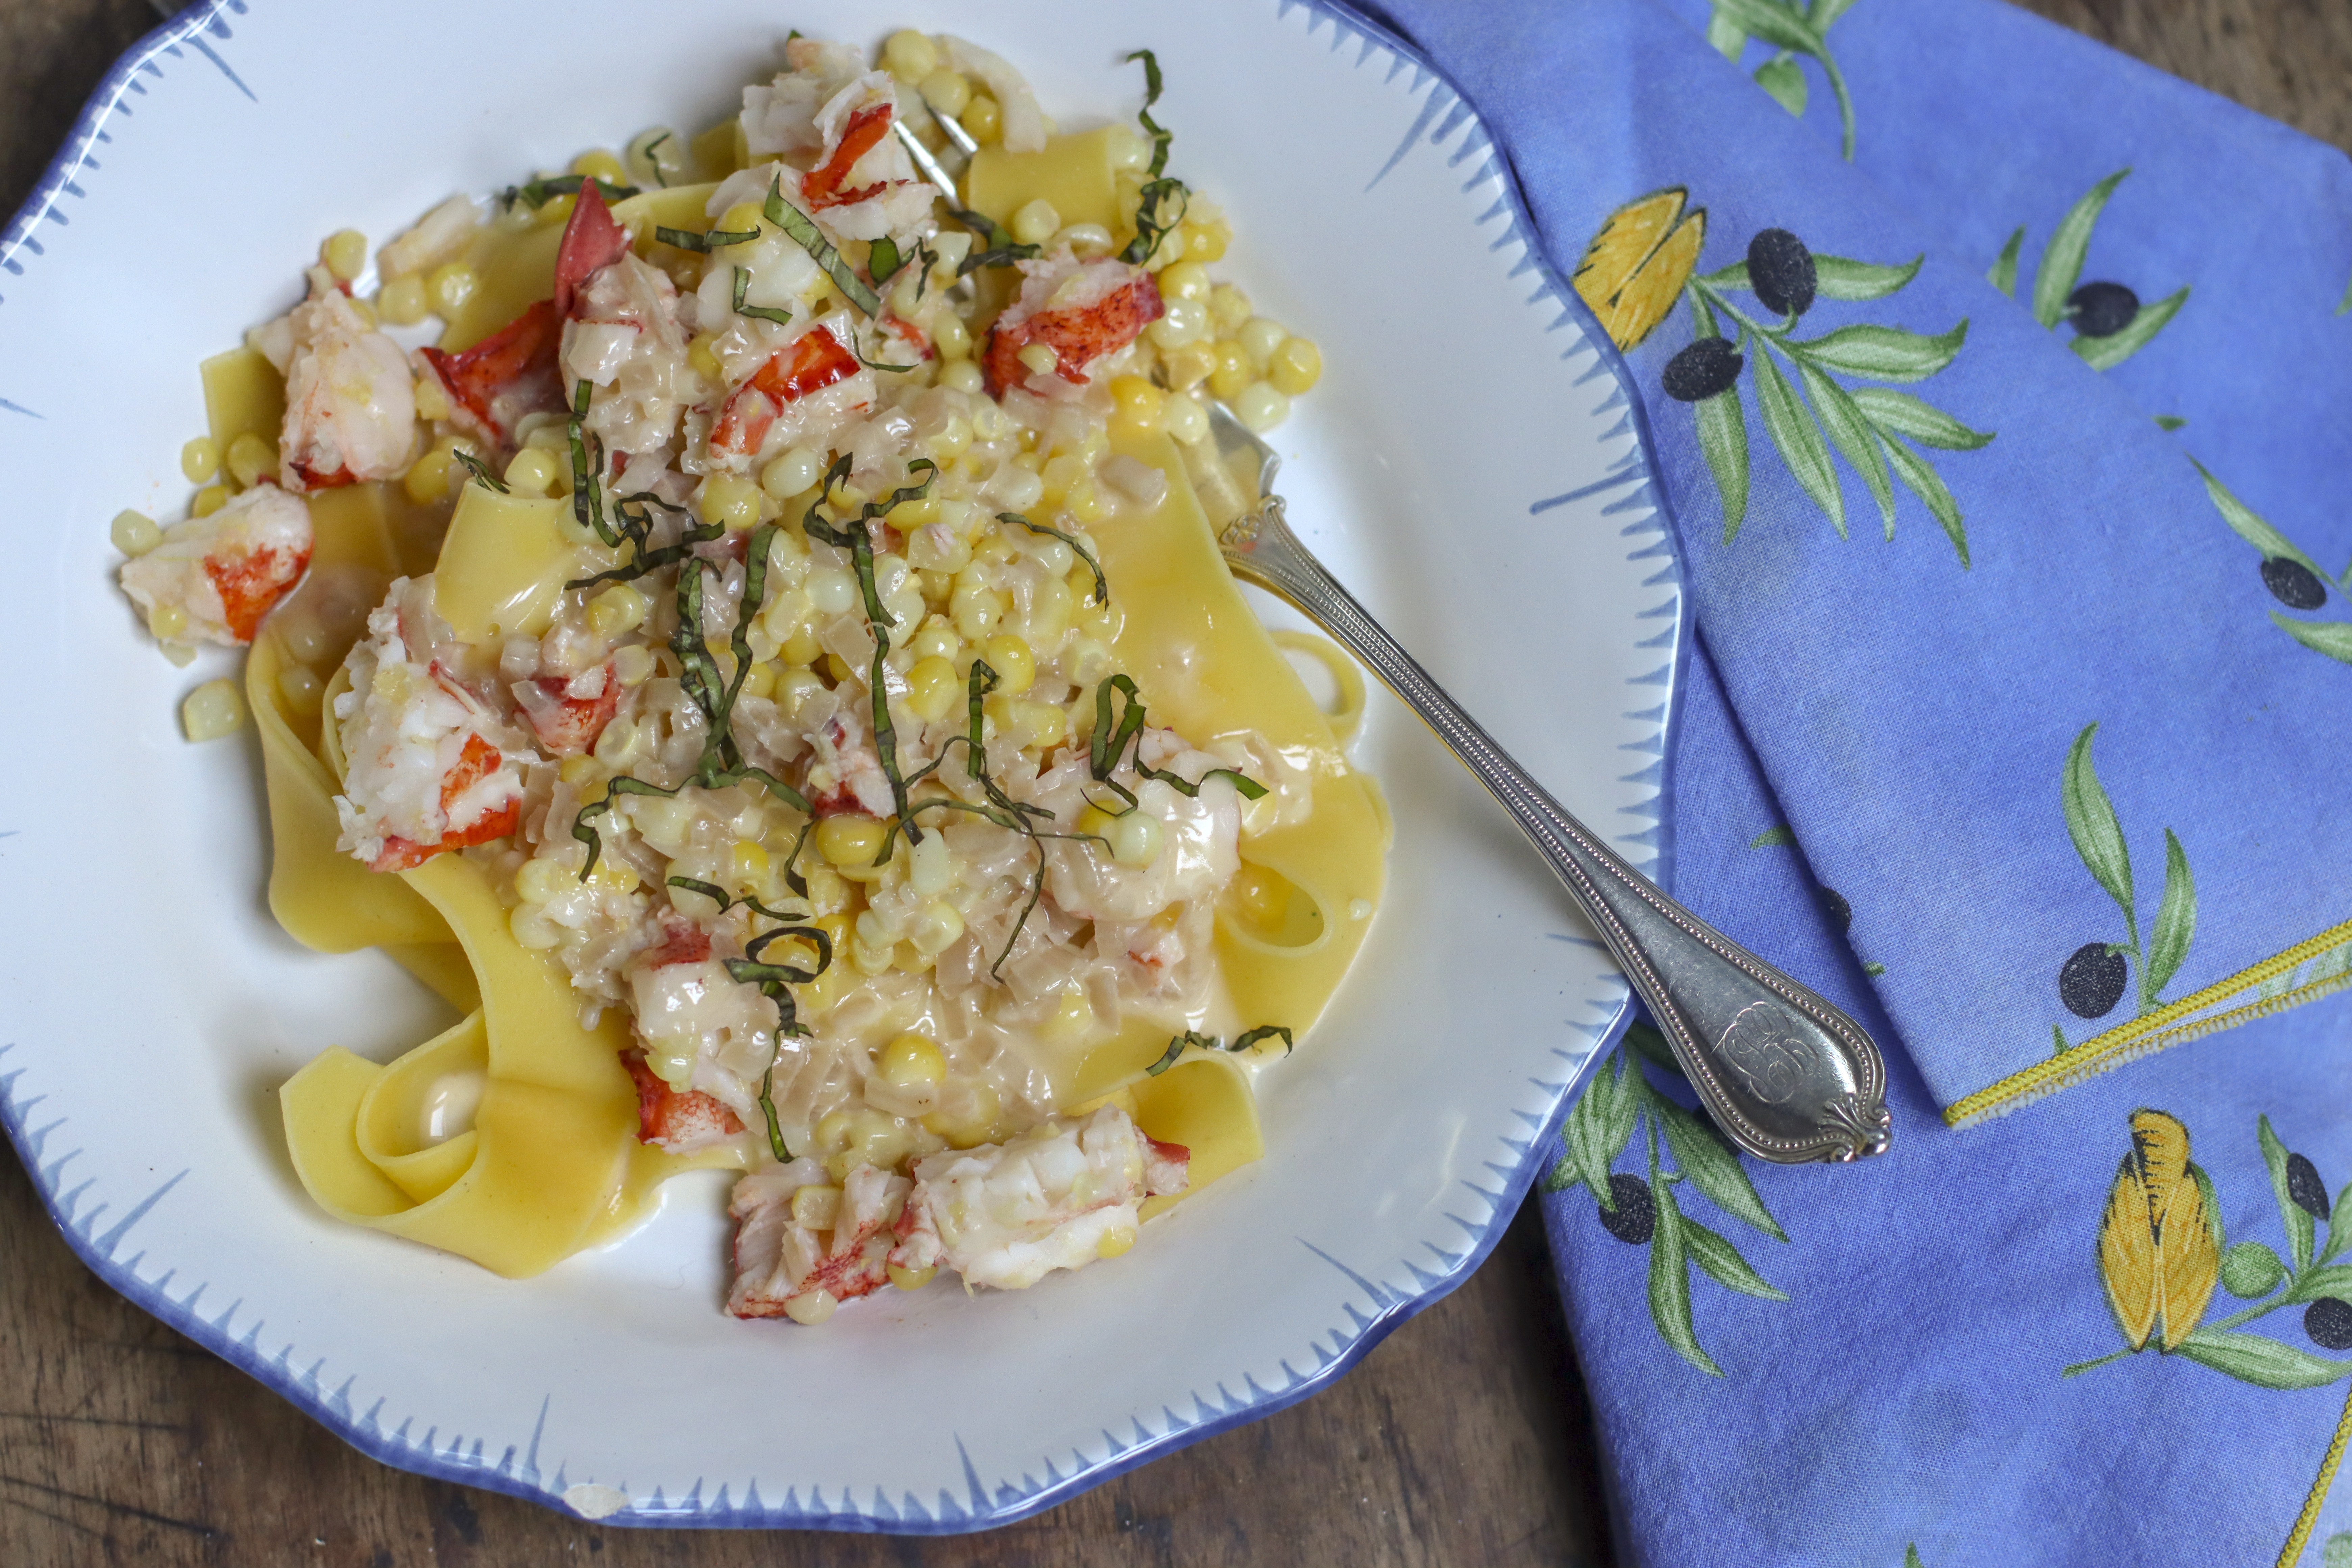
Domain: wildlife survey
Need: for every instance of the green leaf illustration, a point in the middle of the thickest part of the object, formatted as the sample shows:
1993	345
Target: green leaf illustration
1651	1045
2265	1362
1723	439
1670	1305
2338	1553
1883	353
1911	1558
1726	36
2248	525
2176	918
2061	267
1823	13
1922	481
1774	23
2003	274
1838	278
1907	415
2332	639
1562	1175
1784	79
2335	1281
2291	1214
2339	1225
2346	304
1792	427
2091	823
1771	837
1712	1168
2250	1269
1851	434
1714	1253
2170	422
2105	354
1577	1138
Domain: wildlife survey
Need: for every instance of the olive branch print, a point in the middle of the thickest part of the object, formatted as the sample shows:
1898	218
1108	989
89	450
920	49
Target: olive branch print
1644	1210
2162	1250
2109	322
1790	30
2293	579
2093	979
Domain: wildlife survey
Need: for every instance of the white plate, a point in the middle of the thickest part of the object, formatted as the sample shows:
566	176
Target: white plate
1471	465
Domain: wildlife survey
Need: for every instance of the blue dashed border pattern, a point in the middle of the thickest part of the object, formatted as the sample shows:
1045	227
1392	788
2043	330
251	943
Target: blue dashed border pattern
518	1469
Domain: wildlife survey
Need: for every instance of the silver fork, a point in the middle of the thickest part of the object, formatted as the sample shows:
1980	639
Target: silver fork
1786	1075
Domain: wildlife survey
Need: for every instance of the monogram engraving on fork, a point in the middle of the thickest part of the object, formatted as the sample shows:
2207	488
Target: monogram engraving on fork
1763	1047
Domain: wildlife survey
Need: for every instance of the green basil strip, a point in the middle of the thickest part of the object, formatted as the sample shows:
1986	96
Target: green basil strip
1160	135
809	238
782	317
619	785
539	192
1264	1032
1152	220
687	240
480	470
587	490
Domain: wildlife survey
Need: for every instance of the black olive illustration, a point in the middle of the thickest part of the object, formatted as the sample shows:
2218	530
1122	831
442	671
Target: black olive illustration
2303	1185
1634	1217
2102	310
1834	905
2328	1322
1708	366
2293	584
2092	981
1781	271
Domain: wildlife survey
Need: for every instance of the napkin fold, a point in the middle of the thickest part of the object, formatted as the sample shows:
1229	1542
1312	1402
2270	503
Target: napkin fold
2053	778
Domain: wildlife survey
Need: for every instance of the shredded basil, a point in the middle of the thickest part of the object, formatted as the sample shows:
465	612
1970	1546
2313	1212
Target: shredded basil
587	464
480	470
539	191
687	240
1001	250
782	317
1112	734
1152	220
1160	134
635	524
1264	1032
1102	585
809	238
1210	1043
773	981
655	163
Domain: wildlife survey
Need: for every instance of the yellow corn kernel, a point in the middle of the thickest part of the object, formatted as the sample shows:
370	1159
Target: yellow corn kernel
1189	364
1016	666
432	399
962	376
301	688
751	865
633	664
1072	1019
974	610
743	217
1033	725
200	460
789	474
1034	222
838	668
602	165
850	840
1296	366
403	302
1061	473
212	710
1206	241
250	458
1233	373
912	1062
134	532
907	1278
365	312
617	609
1136	839
1260	406
762	681
1038	360
1185	280
1228	309
209	500
1139	405
1186	420
731	500
1095	822
1085	501
427	478
166	622
1260	340
450	285
974	1125
579	772
936	640
344	252
531	473
982	118
909	55
908	516
810	1309
948	93
933	688
704	363
1115	1241
801	648
555	212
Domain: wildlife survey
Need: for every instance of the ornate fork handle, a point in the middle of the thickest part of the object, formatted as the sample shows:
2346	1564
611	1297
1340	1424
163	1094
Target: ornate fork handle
1786	1075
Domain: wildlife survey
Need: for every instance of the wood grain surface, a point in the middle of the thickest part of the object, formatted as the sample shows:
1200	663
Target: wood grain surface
1463	1439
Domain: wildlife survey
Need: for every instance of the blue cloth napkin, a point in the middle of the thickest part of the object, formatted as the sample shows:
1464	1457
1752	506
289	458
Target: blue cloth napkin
2051	779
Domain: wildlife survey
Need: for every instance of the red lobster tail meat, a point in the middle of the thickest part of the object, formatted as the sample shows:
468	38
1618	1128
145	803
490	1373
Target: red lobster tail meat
1078	335
815	360
476	763
678	1120
249	582
592	241
508	374
865	129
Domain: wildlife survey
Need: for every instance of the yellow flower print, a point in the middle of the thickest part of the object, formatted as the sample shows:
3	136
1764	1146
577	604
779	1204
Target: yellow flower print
2160	1244
1636	267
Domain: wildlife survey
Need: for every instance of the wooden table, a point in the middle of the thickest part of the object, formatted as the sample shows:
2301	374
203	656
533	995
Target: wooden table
1464	1439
